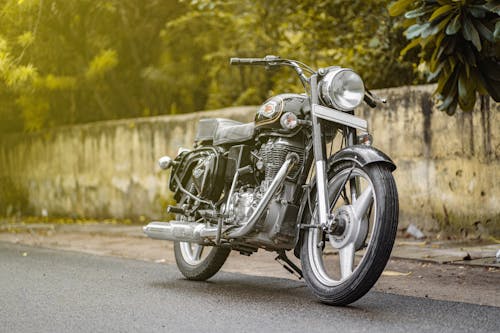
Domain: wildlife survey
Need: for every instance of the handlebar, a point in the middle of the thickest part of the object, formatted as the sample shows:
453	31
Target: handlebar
271	60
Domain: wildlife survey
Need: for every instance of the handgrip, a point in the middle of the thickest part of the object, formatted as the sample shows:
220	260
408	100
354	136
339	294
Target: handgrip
266	61
247	61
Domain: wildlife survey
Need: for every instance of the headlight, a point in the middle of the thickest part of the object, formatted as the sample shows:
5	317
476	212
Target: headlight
342	89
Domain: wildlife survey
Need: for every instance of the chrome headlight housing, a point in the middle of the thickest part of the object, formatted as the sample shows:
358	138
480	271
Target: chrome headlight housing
342	89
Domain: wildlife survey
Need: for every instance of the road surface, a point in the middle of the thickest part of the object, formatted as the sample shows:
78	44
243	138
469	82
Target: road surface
59	291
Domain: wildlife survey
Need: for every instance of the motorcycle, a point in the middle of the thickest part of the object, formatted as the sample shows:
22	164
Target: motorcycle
270	184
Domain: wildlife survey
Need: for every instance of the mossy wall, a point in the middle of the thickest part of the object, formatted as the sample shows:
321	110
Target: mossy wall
448	167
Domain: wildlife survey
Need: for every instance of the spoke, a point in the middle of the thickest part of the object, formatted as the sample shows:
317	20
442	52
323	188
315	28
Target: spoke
346	259
362	204
198	249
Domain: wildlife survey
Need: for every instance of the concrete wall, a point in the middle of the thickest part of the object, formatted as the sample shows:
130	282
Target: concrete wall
447	175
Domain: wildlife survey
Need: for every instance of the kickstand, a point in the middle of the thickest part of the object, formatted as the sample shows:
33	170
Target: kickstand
292	268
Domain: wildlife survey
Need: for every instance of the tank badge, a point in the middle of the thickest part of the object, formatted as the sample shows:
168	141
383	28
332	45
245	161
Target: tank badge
269	109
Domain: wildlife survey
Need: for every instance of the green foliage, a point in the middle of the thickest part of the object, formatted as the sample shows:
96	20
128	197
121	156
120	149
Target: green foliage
67	62
459	47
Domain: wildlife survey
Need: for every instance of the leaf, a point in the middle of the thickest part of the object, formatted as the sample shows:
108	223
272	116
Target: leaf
491	88
477	11
445	76
417	12
470	33
484	31
435	74
470	57
466	92
450	45
416	29
441	11
399	7
410	45
496	34
454	26
447	102
493	7
450	110
440	26
432	29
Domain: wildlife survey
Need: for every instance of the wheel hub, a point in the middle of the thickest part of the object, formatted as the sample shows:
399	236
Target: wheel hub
347	229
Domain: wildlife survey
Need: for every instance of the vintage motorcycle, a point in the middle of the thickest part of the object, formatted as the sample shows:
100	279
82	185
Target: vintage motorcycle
270	184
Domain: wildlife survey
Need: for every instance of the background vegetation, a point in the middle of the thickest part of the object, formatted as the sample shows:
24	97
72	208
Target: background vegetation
75	61
459	43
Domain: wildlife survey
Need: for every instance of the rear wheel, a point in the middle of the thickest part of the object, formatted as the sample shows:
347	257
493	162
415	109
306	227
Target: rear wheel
342	264
197	262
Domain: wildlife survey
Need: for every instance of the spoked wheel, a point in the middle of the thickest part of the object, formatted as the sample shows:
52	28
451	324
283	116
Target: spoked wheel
197	262
342	263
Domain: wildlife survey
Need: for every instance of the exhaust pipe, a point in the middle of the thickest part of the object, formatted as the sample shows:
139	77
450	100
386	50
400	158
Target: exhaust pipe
180	231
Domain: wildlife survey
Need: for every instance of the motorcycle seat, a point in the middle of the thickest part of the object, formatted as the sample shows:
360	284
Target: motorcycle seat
222	131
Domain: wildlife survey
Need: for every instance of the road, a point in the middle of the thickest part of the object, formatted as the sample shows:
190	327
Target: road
46	290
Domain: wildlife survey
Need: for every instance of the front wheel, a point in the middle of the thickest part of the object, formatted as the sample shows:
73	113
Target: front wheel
340	265
197	262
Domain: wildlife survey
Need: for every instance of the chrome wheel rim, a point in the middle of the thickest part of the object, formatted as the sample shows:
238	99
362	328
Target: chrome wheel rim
192	253
335	258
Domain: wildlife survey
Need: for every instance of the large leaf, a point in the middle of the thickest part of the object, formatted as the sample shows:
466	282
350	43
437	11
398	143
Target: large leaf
443	10
436	73
469	56
484	31
493	6
454	26
470	33
416	29
496	34
399	7
478	11
466	92
417	12
491	86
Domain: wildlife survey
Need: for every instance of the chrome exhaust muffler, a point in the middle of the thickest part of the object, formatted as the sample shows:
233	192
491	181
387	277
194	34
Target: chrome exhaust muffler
180	231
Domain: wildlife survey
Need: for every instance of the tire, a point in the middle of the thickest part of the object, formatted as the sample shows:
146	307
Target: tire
364	246
199	268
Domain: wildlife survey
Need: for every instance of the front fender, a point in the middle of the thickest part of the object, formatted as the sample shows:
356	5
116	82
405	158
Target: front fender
362	155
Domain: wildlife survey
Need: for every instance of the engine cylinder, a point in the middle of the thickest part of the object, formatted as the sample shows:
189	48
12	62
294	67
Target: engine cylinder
274	153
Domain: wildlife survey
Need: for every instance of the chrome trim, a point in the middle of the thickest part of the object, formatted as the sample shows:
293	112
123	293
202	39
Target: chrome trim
321	180
165	162
339	117
180	231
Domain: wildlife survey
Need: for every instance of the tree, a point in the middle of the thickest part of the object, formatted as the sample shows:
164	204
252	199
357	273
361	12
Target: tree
459	47
68	62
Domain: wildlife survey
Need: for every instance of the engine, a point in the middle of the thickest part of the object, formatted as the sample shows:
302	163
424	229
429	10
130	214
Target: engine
273	154
270	157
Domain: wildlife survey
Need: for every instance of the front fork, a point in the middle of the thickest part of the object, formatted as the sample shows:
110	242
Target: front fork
319	149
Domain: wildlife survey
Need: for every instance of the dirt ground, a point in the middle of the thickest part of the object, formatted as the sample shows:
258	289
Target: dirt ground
472	284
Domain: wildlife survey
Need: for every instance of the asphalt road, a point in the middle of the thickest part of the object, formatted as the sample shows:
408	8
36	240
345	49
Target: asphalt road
45	290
